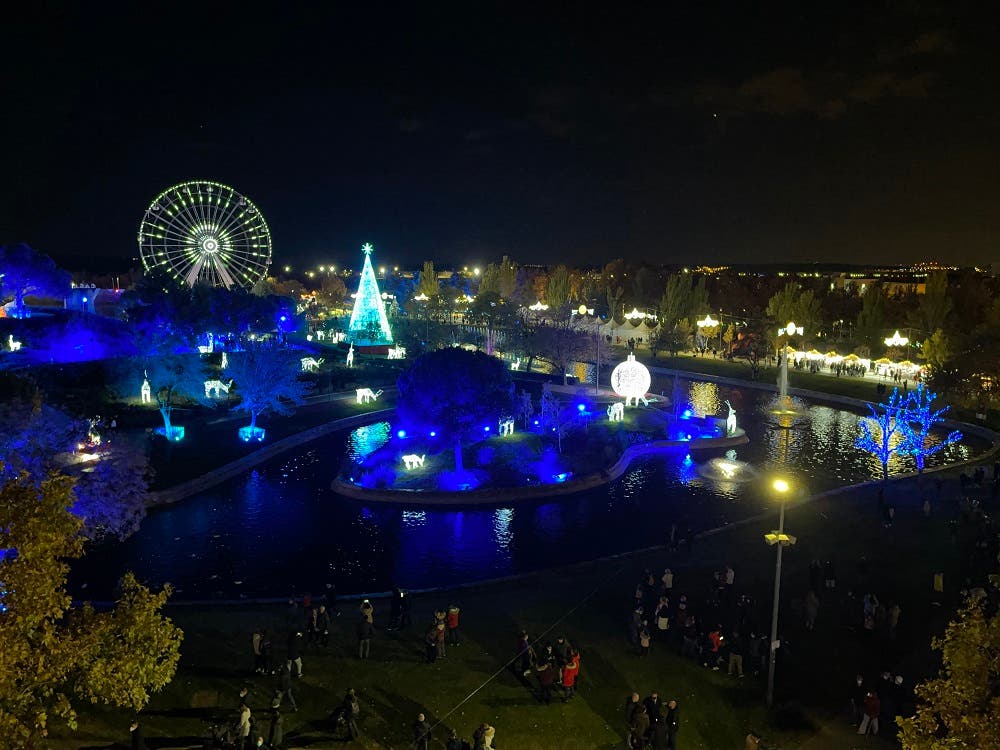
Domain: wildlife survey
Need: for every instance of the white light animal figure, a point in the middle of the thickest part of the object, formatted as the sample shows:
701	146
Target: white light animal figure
210	348
397	352
311	364
616	412
516	364
367	395
350	356
320	335
12	343
215	388
412	461
506	427
731	420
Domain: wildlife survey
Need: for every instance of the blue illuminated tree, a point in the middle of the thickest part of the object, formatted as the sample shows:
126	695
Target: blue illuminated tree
882	444
916	422
369	323
457	394
267	381
24	271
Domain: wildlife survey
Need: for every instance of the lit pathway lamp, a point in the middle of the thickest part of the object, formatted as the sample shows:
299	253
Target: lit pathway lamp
789	330
709	322
897	340
780	540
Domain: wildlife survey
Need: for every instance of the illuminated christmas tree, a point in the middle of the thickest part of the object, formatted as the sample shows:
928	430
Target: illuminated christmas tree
369	324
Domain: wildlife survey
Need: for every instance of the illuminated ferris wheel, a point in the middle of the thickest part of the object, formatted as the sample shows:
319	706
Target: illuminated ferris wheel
205	232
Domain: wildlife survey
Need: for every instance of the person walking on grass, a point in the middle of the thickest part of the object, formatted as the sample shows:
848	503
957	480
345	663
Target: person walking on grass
295	652
872	708
672	720
430	643
421	733
440	633
285	690
644	639
276	730
735	655
366	632
138	741
640	727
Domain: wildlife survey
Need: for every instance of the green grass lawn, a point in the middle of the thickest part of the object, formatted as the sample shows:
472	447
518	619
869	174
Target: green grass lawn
590	603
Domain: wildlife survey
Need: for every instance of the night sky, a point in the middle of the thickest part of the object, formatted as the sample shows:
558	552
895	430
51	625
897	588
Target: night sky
704	133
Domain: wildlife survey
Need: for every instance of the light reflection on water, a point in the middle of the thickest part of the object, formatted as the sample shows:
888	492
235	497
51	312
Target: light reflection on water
280	529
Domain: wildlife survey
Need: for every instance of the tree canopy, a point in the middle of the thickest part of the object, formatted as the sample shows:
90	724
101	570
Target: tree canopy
51	656
267	381
455	393
958	709
25	271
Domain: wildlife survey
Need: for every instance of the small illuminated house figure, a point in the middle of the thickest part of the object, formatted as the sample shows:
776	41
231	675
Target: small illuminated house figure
730	420
412	461
631	381
215	388
367	395
616	412
12	343
145	392
311	364
350	356
506	427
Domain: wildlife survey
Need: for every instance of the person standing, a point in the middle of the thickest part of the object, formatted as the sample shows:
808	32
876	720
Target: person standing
872	708
368	611
454	636
439	638
295	652
243	727
286	686
138	741
672	720
323	626
632	706
276	730
430	643
640	727
350	710
644	639
454	743
256	641
569	673
736	654
421	733
365	631
546	678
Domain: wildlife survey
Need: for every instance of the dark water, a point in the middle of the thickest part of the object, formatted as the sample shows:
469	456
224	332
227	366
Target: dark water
280	529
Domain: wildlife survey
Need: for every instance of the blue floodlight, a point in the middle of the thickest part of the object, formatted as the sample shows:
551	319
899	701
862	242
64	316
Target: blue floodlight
401	433
687	414
433	433
581	407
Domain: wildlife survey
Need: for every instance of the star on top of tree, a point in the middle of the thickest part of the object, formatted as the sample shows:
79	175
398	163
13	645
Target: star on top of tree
367	248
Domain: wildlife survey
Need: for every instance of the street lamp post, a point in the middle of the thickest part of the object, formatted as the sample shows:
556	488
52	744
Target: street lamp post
780	539
709	322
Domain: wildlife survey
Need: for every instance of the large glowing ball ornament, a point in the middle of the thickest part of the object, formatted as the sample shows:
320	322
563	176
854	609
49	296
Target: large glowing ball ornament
630	380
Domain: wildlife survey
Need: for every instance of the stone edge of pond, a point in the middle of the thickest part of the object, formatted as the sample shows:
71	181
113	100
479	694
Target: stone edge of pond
184	490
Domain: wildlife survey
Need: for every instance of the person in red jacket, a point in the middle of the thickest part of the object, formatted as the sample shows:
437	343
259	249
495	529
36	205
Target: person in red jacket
873	706
569	673
451	619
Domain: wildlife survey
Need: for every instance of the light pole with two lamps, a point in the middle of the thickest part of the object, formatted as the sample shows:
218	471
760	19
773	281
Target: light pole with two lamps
709	322
780	539
789	330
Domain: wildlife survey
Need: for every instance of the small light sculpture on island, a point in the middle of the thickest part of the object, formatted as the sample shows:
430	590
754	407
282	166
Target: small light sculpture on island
506	427
412	461
616	412
350	356
366	395
13	343
311	364
211	345
145	392
397	352
631	380
225	362
730	420
215	388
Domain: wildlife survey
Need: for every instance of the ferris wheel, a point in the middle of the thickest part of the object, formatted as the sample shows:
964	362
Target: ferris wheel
205	232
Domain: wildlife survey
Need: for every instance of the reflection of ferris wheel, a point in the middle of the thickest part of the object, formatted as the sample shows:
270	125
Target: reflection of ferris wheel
205	232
